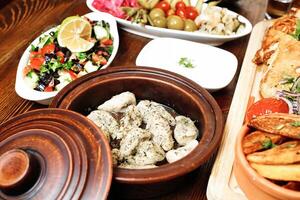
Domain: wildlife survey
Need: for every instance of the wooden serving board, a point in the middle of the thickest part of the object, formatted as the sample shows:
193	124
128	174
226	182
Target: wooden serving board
222	184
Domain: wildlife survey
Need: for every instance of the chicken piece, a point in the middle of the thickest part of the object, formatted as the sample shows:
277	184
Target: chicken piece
106	122
259	140
132	118
148	153
177	154
132	139
185	130
130	166
286	153
150	109
119	102
161	132
278	123
116	156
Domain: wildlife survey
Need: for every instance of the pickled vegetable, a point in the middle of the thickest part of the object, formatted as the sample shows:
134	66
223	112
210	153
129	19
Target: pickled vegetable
175	22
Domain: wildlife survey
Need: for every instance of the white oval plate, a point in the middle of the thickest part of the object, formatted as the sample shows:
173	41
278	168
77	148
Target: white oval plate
155	32
213	69
45	98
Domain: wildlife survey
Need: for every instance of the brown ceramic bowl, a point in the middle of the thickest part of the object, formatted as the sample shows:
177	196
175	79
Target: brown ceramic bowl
181	94
254	185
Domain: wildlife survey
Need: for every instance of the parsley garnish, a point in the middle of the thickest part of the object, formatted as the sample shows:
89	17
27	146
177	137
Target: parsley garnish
267	144
81	56
297	32
185	62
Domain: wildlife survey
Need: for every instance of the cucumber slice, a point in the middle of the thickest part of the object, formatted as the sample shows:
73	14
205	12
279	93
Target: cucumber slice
31	79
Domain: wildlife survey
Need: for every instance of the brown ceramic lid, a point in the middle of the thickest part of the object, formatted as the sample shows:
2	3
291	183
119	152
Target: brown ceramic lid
53	154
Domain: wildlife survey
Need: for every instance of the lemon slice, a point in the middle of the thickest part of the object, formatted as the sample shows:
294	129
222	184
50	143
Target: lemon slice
74	33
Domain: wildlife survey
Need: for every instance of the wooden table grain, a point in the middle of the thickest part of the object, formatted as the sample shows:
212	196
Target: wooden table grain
23	20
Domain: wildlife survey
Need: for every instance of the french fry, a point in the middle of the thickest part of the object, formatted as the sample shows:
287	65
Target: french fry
278	172
286	153
278	123
259	140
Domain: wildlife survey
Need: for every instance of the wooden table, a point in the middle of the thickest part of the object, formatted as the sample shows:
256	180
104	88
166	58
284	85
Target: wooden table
23	20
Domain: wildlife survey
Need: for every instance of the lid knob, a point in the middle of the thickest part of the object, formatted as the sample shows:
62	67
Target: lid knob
14	166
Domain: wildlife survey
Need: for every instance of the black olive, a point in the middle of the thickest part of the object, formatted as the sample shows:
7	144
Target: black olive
46	78
40	87
49	56
55	75
77	67
56	82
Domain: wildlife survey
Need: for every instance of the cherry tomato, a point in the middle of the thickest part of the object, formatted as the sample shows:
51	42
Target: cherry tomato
181	12
267	106
61	55
170	12
191	12
36	63
49	48
165	6
180	5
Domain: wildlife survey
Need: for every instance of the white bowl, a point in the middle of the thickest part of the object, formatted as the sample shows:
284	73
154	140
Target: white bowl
155	32
24	91
213	69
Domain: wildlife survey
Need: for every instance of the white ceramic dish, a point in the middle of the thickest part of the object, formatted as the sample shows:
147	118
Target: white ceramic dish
154	32
213	68
28	93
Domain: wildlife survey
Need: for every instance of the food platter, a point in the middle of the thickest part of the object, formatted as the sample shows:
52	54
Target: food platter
28	93
247	91
154	32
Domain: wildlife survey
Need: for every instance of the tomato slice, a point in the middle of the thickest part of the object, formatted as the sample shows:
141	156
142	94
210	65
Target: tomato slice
267	106
73	75
49	48
26	70
48	89
37	62
106	42
61	55
34	54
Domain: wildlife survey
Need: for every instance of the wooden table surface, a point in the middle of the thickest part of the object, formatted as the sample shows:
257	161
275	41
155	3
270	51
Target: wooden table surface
23	20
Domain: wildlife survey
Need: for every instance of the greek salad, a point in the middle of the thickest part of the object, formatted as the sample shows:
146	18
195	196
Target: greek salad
51	66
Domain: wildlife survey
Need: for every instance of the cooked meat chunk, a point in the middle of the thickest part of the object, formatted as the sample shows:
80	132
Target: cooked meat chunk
130	166
161	132
116	156
176	154
132	139
106	122
132	118
148	153
150	109
119	102
185	130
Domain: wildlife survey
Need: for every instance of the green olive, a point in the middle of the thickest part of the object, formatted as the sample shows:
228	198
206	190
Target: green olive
190	25
156	12
175	22
160	22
